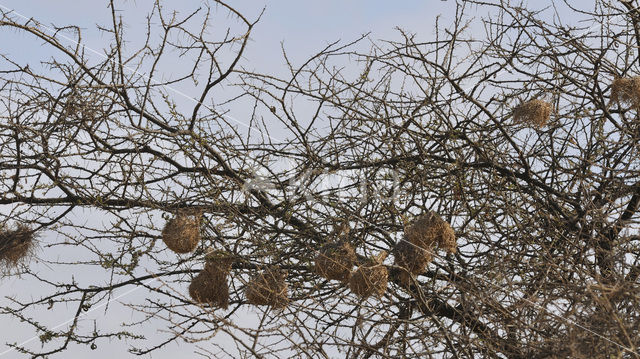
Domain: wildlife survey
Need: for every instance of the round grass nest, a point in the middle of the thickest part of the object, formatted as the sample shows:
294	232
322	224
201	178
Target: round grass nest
411	258
182	233
268	288
626	91
370	278
335	261
220	261
210	285
534	112
447	239
210	288
16	245
430	230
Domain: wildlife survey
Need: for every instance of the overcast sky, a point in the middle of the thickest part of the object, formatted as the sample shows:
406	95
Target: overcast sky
305	27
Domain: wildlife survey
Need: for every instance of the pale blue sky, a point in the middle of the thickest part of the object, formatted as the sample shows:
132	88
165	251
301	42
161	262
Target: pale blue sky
305	27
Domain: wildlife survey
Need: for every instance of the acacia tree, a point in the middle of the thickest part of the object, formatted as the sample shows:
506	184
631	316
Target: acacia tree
545	215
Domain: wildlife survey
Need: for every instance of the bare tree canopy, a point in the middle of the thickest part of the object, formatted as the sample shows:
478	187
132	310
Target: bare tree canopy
475	195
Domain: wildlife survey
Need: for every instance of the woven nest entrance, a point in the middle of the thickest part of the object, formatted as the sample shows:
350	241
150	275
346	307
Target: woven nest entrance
268	288
533	112
371	278
16	245
210	285
412	259
182	233
430	230
335	261
626	91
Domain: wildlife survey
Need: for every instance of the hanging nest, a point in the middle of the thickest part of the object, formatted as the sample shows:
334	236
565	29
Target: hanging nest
182	233
626	90
535	112
16	245
423	231
219	261
370	279
210	285
411	258
335	260
447	238
268	288
430	230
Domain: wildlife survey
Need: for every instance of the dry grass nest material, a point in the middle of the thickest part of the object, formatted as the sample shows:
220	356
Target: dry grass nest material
16	245
210	285
182	233
268	288
370	279
341	230
412	258
430	230
535	112
626	91
335	261
219	261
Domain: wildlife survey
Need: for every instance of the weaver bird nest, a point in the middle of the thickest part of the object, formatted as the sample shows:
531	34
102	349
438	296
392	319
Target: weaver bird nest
16	245
626	90
535	112
210	285
411	258
182	233
335	260
341	230
268	288
430	230
370	278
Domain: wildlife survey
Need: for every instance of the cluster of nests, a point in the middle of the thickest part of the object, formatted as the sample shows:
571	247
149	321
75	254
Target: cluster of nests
16	245
412	255
182	235
210	286
625	91
334	261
